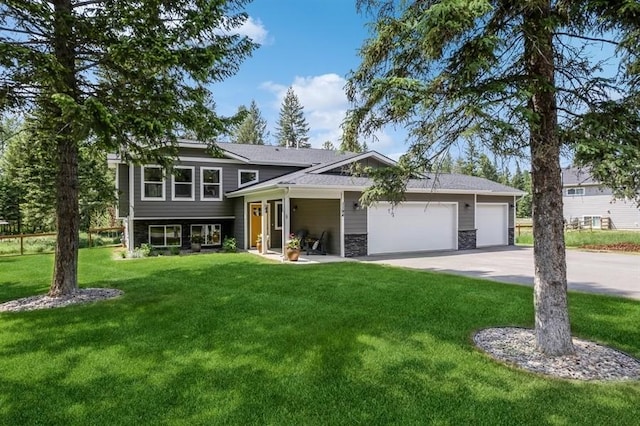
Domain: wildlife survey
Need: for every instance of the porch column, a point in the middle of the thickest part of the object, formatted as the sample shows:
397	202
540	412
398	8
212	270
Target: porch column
286	221
263	225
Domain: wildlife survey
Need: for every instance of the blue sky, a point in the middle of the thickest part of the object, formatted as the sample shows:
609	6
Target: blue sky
310	45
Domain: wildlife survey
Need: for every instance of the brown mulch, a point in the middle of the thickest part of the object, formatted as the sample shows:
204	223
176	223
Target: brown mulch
629	247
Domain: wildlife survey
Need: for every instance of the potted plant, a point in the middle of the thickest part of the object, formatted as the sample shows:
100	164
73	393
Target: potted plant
196	243
259	243
293	248
215	237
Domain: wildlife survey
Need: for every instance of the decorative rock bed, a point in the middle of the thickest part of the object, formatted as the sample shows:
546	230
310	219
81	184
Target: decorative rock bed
591	361
84	295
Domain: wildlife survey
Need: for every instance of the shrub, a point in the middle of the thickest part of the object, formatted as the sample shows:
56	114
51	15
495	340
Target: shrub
145	249
174	250
229	245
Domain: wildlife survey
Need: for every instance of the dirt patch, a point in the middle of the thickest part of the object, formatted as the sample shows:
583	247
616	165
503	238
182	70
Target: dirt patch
628	247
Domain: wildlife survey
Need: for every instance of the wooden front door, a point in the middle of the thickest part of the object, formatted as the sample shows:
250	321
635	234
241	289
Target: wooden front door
255	223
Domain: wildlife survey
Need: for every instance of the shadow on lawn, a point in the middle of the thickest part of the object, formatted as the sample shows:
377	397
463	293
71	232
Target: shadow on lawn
266	343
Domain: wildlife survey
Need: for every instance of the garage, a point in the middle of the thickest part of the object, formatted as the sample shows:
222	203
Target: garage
411	227
492	223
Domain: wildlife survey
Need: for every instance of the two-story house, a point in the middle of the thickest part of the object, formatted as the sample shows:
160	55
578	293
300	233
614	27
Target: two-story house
589	204
274	191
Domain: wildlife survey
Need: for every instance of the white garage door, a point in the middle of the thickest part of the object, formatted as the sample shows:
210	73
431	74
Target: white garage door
412	227
492	221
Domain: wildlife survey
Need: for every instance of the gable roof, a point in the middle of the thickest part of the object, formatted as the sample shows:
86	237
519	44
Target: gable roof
314	178
573	176
275	155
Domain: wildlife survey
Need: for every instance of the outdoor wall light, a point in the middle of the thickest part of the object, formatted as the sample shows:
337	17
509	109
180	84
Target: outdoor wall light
295	208
467	205
355	205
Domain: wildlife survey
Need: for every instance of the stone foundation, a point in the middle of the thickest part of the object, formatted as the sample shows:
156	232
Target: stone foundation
355	245
467	239
512	240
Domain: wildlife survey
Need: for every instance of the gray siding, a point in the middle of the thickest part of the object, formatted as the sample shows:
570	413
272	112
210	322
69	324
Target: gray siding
123	190
366	162
240	226
499	199
355	219
316	216
197	208
588	190
623	214
276	234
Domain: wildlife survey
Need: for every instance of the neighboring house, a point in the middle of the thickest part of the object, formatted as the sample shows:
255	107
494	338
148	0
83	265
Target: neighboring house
588	204
274	191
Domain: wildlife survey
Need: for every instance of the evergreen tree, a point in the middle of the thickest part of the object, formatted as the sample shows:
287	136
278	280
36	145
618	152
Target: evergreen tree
507	73
129	76
28	165
292	130
328	145
487	169
446	163
253	128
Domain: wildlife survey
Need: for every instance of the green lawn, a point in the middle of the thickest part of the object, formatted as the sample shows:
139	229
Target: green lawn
586	237
231	339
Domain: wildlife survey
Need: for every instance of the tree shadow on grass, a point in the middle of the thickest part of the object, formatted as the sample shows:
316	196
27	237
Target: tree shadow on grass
247	343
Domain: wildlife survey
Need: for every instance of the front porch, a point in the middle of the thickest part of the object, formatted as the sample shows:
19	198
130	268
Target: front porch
272	217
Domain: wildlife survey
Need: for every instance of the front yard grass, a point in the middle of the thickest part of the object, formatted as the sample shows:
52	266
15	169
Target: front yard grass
232	339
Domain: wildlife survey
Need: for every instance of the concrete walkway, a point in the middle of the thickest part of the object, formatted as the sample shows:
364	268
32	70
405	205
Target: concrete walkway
611	273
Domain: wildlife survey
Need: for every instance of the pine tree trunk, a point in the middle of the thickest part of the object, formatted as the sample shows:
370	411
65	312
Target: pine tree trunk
65	273
552	327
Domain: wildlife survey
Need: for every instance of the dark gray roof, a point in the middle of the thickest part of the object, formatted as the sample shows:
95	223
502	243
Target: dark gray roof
576	176
441	182
269	154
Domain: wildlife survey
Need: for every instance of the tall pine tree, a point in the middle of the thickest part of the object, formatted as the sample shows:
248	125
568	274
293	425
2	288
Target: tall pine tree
129	76
292	130
253	128
508	73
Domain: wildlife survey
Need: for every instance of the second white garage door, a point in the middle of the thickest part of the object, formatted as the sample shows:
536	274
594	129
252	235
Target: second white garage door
412	227
492	221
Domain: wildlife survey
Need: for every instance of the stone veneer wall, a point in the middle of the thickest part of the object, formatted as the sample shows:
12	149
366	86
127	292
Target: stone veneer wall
467	240
355	245
512	240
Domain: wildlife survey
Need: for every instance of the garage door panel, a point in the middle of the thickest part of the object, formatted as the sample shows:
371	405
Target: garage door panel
491	223
412	227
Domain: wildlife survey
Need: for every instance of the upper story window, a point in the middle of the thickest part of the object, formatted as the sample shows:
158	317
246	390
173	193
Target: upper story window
575	191
247	177
183	185
153	183
210	183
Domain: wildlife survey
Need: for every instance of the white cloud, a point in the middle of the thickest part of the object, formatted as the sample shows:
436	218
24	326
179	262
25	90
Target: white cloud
325	105
255	30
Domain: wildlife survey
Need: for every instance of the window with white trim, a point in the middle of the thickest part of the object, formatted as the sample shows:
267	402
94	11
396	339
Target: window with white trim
277	220
247	177
575	191
165	235
153	183
183	185
210	233
210	183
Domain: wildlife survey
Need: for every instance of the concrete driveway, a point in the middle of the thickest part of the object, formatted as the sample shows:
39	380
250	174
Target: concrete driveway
610	273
